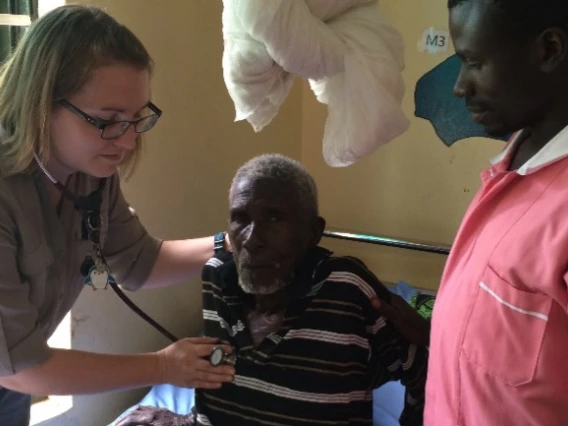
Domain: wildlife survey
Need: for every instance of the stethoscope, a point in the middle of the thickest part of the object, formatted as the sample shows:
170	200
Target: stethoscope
95	270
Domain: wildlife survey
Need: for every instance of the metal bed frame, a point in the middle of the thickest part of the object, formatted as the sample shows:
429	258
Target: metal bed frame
426	247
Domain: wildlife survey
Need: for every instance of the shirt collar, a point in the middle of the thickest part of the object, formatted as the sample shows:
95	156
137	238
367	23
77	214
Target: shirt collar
556	149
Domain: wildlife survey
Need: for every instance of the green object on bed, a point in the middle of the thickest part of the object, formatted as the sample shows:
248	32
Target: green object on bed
423	303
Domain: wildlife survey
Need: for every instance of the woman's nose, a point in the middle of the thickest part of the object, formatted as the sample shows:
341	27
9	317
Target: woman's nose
128	139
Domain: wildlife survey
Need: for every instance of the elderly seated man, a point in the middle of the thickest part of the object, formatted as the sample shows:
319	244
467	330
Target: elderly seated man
309	346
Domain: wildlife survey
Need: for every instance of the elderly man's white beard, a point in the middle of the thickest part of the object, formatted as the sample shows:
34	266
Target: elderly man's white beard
263	289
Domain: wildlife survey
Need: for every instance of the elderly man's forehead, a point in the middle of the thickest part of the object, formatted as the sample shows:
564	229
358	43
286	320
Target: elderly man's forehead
248	182
253	187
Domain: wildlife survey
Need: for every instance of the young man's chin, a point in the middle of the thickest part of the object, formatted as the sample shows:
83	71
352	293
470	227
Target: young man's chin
496	130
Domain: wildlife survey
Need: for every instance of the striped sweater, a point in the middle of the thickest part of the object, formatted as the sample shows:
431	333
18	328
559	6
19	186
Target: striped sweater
320	367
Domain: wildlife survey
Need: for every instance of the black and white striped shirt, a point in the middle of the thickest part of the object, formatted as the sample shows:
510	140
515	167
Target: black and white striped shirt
320	368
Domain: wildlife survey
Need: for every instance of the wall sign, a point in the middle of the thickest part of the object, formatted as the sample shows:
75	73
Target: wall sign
434	41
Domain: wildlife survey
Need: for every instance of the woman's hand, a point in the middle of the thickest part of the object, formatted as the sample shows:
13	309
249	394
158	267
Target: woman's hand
227	242
412	326
186	364
153	416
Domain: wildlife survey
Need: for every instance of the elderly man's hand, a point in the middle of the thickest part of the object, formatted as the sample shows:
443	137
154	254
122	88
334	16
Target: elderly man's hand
152	416
412	326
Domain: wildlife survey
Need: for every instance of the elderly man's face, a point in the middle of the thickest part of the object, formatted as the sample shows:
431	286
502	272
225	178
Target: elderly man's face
269	233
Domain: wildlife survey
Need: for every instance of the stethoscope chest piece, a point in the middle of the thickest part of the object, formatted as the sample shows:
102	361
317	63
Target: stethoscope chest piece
220	357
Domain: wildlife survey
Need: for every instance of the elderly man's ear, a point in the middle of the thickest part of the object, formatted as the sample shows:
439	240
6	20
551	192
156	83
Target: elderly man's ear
318	226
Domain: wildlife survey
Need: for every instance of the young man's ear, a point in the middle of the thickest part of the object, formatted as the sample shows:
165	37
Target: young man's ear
318	226
552	45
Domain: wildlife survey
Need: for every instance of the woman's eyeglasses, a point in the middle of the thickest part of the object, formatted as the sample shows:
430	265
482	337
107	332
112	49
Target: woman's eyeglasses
115	129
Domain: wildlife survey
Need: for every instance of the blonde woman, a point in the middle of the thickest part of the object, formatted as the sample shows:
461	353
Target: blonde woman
74	99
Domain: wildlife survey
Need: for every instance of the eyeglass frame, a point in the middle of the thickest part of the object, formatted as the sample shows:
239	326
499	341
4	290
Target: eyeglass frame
101	125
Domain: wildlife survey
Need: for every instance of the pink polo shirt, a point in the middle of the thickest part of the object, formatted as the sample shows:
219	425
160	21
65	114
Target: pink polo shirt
499	345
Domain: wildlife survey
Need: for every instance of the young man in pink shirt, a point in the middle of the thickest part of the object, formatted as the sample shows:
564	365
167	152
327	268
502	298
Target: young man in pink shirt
499	342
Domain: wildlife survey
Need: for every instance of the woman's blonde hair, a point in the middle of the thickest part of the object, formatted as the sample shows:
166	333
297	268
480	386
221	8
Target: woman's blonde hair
54	59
